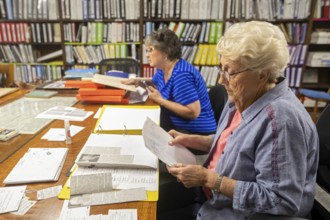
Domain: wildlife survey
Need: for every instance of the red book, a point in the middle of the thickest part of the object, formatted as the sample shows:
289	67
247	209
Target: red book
103	99
82	84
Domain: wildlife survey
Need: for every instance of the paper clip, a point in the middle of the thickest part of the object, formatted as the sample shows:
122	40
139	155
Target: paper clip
99	129
125	130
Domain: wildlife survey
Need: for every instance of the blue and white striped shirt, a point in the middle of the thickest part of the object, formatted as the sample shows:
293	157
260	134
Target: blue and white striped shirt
186	86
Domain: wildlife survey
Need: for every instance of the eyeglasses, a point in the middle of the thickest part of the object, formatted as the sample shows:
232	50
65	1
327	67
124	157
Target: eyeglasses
149	50
228	76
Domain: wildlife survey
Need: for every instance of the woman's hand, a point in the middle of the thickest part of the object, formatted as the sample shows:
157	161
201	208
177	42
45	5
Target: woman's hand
154	95
193	175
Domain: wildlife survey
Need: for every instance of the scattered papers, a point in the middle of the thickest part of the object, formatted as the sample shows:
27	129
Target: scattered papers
65	113
58	134
91	183
10	198
74	213
24	206
38	165
123	214
156	140
48	192
112	197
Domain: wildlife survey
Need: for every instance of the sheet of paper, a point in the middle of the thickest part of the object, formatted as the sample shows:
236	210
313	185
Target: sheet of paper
79	213
140	96
48	192
128	195
65	113
112	81
125	178
123	214
98	113
24	207
90	183
99	217
156	140
126	118
58	134
10	198
111	150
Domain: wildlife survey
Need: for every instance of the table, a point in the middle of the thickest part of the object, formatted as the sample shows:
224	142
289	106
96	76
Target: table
51	208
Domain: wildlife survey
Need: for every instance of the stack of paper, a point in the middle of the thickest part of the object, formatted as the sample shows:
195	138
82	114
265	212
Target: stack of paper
38	165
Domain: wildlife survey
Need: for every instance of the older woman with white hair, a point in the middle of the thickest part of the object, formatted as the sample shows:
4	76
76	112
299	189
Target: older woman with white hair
264	155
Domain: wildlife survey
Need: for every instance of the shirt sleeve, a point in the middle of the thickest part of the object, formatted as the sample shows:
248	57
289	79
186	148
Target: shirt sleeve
283	170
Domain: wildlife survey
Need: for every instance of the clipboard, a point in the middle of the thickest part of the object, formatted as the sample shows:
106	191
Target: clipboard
125	119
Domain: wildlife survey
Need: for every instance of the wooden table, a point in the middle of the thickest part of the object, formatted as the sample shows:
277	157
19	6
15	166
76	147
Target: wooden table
51	208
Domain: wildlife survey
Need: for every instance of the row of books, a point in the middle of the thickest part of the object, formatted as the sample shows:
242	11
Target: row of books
98	32
29	9
94	54
293	75
14	32
321	37
17	53
32	73
295	33
322	9
297	54
210	74
318	59
184	9
205	55
268	9
98	9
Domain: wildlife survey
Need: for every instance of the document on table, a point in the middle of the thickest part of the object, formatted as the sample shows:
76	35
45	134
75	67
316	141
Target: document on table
111	150
90	183
24	206
38	165
123	214
10	198
123	178
156	140
58	134
48	192
65	113
74	213
128	195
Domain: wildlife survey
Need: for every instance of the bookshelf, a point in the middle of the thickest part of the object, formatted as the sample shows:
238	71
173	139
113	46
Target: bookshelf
87	31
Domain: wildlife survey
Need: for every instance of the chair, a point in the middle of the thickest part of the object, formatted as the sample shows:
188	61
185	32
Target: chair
314	95
218	97
320	210
127	65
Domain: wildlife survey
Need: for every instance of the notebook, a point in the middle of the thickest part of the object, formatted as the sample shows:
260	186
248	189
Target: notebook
38	165
41	94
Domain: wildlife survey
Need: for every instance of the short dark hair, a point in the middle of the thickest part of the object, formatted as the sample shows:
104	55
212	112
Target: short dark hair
165	41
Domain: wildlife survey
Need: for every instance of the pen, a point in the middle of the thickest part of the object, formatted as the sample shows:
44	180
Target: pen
67	132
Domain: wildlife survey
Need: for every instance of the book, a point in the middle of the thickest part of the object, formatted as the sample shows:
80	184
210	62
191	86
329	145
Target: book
113	82
41	94
38	165
6	91
6	134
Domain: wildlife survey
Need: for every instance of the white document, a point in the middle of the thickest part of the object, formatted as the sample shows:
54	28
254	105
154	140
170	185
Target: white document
58	134
125	178
90	183
65	113
111	150
125	118
10	198
140	96
156	140
128	195
123	214
112	81
80	213
98	113
24	206
38	165
48	192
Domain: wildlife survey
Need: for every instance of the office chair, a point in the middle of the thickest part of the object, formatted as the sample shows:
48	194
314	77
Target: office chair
315	95
218	97
127	65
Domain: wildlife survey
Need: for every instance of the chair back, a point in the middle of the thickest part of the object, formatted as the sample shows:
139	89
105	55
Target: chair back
127	65
218	97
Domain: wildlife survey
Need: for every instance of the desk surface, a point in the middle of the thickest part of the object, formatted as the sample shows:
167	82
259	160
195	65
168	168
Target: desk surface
51	208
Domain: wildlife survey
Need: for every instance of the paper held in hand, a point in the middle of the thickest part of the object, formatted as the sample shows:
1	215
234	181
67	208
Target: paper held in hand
156	140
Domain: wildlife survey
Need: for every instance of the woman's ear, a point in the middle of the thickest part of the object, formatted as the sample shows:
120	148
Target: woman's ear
264	76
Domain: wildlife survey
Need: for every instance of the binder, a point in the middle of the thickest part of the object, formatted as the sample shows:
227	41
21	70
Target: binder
125	119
